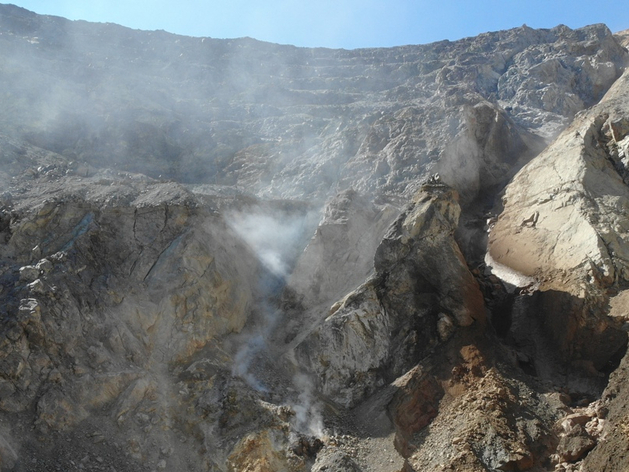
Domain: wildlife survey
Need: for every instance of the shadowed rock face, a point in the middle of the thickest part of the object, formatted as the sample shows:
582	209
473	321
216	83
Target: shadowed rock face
228	255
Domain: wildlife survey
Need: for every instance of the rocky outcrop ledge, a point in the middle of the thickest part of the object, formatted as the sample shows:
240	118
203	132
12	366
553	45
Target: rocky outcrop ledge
420	293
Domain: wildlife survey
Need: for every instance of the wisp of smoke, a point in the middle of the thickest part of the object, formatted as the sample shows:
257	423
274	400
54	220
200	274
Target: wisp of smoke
308	417
243	359
273	238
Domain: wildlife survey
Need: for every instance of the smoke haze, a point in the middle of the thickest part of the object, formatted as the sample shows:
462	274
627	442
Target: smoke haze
274	238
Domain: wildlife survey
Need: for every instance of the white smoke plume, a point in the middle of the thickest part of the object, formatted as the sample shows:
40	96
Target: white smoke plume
308	417
274	238
243	359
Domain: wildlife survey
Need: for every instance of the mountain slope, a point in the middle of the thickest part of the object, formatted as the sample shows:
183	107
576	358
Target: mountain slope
297	122
228	255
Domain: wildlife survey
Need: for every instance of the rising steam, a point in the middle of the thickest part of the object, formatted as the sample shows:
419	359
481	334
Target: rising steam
274	238
308	417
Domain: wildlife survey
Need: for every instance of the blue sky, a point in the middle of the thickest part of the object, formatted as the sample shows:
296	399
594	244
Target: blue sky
338	23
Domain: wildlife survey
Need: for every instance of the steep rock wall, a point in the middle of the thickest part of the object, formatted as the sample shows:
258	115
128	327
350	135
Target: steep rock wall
296	122
108	285
420	292
564	228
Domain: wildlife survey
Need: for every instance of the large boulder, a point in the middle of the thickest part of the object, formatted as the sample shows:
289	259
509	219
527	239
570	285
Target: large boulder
564	231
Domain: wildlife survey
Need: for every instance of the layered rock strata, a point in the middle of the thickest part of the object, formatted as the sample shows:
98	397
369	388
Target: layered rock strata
168	304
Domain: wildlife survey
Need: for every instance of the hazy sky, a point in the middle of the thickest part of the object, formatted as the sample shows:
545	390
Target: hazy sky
338	23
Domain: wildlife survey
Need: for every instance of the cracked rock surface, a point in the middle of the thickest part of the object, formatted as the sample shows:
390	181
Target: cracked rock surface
230	256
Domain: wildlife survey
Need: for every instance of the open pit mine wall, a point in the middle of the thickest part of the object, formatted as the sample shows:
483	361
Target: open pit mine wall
227	255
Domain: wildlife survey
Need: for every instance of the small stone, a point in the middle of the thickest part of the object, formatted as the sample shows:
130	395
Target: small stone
29	309
619	129
575	445
36	252
55	376
570	421
14	333
445	327
37	287
44	266
29	273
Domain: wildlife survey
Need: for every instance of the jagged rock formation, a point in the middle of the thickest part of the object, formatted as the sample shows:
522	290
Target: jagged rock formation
352	226
573	239
379	331
169	301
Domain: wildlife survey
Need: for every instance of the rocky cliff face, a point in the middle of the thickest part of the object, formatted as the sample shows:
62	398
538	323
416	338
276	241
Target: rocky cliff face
285	121
227	255
383	328
572	244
